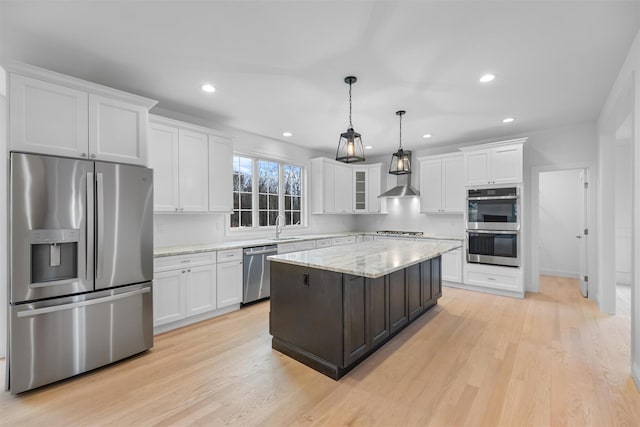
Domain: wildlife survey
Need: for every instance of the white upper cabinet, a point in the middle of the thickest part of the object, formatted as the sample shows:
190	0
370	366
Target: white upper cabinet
220	174
344	189
442	184
117	131
495	163
192	167
47	118
163	158
51	113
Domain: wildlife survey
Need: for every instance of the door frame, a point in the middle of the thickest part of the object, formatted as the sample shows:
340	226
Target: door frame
534	270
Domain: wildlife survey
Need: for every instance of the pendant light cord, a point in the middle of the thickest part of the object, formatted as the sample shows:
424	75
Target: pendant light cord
400	131
350	124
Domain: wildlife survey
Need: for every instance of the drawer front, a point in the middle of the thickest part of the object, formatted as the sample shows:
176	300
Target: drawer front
230	255
336	241
180	261
494	280
285	248
323	243
306	245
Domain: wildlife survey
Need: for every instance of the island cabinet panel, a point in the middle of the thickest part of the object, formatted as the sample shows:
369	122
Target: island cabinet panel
425	280
398	311
436	278
306	313
378	310
357	340
414	289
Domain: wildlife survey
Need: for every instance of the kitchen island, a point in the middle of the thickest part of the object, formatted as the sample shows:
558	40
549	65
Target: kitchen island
333	307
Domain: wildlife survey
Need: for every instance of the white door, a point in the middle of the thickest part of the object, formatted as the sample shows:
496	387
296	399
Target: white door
431	186
583	233
506	164
343	189
168	296
193	160
229	283
163	159
220	174
201	289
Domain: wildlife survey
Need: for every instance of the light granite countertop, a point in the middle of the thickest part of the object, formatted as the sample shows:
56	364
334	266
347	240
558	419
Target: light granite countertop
369	259
239	244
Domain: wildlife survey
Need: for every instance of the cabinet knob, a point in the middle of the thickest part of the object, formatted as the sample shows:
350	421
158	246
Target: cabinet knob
83	154
183	271
93	156
189	270
182	209
176	209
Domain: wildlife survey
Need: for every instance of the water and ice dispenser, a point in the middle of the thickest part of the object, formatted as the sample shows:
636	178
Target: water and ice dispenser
54	255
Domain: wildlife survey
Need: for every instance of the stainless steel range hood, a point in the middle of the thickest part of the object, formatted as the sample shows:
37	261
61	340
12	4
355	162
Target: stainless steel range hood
403	189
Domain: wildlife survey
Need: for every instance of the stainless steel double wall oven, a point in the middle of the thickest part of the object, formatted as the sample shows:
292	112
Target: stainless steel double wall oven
493	226
81	257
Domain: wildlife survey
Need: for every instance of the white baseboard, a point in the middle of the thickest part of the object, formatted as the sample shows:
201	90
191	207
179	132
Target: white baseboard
483	289
560	273
194	319
635	374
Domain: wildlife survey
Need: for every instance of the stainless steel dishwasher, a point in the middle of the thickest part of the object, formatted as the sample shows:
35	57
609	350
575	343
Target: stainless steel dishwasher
256	273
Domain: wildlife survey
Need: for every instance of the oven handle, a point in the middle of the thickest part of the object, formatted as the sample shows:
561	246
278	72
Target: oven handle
491	232
493	198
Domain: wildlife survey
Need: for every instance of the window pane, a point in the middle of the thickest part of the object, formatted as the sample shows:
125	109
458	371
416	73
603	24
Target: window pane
296	203
245	218
272	217
245	200
235	219
287	216
287	202
236	182
263	218
262	204
273	202
236	201
296	218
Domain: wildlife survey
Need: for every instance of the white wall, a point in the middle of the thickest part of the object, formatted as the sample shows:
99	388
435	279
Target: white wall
3	214
188	229
559	216
623	210
624	98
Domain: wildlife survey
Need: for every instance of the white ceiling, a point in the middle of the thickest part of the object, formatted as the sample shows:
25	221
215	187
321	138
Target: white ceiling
279	65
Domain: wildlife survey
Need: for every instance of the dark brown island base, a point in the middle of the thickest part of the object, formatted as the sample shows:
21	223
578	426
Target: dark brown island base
331	321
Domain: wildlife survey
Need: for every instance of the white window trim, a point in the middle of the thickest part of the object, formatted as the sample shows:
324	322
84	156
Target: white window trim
255	157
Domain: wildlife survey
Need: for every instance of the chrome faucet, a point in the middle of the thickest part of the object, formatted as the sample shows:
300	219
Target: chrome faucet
279	225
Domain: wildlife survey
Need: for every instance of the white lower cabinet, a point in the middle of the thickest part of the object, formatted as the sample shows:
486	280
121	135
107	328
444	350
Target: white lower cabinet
502	280
452	266
346	240
190	288
229	277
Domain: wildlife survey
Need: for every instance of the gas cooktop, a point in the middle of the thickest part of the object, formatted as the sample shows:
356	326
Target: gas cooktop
400	233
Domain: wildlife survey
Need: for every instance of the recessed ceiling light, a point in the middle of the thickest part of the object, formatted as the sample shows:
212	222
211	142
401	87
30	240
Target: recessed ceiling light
508	120
208	88
426	135
287	134
368	147
487	78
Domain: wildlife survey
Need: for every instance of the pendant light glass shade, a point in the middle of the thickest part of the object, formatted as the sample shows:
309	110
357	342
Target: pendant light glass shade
400	160
350	148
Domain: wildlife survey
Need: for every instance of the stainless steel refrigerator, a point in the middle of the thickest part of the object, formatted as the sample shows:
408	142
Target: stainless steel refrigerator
81	265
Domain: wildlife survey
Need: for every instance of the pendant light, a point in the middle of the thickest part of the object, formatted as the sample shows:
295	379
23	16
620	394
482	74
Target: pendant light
400	160
350	149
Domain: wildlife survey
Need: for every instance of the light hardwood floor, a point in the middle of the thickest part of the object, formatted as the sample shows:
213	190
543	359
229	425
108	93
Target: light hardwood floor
476	360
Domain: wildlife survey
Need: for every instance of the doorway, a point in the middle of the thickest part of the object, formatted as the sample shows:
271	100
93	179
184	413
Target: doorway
562	214
623	219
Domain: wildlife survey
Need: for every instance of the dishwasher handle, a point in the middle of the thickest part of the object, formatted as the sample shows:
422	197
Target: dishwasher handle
260	252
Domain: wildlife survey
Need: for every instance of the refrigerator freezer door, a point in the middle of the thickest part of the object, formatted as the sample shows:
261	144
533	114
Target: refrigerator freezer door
50	253
56	339
124	225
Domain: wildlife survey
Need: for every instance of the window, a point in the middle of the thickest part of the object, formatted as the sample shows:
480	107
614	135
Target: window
278	192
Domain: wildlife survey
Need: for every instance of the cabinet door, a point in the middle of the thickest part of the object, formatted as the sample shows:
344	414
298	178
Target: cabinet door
506	164
453	185
163	159
425	276
169	296
476	167
374	189
378	310
229	283
414	290
398	313
356	334
328	188
343	185
193	170
201	289
220	174
360	191
431	186
117	131
452	266
436	278
46	118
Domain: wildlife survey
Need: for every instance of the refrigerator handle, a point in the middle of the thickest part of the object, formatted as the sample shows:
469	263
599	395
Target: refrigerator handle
99	224
90	223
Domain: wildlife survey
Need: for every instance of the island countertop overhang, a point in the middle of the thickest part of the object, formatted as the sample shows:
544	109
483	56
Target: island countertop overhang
368	259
